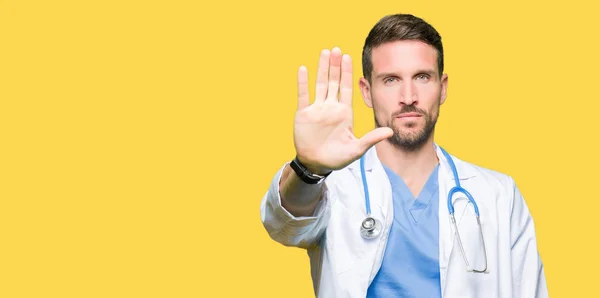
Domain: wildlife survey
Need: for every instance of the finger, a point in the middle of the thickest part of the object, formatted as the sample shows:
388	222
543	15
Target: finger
373	137
335	64
322	72
346	81
303	97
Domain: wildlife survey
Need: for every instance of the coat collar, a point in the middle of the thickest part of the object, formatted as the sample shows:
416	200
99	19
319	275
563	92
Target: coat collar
465	171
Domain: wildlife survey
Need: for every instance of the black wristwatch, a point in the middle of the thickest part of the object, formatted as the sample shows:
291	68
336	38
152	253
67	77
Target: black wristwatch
304	174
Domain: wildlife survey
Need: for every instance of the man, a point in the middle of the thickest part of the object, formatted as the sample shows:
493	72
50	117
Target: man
373	212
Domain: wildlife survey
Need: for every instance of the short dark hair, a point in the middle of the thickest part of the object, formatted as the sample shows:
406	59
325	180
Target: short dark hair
401	27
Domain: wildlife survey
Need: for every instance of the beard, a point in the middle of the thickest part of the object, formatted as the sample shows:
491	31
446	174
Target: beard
411	141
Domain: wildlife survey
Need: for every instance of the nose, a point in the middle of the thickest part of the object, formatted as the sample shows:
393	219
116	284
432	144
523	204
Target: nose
408	94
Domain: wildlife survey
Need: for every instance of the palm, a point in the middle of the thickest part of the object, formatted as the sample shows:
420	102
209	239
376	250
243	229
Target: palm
323	133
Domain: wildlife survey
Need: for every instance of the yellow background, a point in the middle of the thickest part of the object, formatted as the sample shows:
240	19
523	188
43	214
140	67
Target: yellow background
137	138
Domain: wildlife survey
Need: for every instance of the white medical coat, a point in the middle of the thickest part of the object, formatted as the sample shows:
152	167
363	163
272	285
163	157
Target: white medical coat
343	263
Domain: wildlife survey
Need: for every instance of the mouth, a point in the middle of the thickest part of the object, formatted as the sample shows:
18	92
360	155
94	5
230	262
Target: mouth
409	115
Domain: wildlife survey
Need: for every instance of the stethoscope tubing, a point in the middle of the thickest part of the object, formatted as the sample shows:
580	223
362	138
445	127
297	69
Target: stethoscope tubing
371	227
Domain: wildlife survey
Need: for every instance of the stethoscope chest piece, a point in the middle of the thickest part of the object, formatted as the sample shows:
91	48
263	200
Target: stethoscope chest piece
370	228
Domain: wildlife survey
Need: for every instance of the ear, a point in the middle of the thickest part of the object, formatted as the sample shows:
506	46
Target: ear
365	90
444	88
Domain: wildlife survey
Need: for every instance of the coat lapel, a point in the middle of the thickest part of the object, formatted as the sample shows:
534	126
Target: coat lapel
446	228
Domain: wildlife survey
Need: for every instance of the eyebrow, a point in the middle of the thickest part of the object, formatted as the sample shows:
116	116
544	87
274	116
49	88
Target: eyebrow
430	72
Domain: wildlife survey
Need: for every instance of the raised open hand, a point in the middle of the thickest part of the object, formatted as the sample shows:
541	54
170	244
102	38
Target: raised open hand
323	131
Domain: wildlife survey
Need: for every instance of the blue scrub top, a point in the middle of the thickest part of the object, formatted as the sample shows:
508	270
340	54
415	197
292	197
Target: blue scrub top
410	265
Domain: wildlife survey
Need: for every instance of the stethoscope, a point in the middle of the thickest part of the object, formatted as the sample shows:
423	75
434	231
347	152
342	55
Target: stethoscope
371	227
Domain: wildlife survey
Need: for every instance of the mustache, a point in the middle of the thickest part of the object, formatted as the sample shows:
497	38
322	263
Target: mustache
409	109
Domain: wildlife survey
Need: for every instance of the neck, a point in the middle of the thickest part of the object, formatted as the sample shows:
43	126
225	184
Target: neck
409	165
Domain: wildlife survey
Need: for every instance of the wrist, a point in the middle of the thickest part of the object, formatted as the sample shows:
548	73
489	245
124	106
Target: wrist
308	173
311	167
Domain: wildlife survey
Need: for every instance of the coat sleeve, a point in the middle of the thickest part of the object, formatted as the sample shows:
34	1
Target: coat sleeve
287	229
528	275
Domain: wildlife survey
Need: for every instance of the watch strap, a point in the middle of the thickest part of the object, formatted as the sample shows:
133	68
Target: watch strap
304	174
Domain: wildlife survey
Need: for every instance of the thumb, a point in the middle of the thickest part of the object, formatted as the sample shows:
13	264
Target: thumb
373	137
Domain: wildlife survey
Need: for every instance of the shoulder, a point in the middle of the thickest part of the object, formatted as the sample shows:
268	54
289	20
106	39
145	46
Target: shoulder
499	188
489	177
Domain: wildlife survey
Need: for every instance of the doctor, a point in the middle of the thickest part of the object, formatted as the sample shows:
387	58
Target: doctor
392	214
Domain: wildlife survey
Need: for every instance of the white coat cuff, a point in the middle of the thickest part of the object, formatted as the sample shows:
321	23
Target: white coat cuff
282	220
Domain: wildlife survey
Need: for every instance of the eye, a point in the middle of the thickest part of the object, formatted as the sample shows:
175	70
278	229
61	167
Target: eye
423	77
389	80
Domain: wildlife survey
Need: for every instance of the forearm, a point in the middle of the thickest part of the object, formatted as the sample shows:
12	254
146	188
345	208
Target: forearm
297	197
